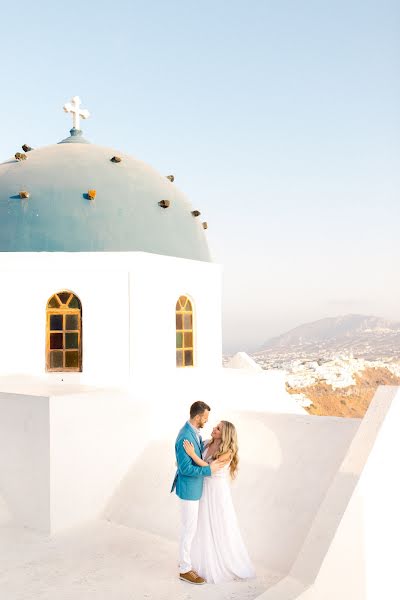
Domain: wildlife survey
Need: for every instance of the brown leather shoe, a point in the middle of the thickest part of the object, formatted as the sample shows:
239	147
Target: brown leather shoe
192	577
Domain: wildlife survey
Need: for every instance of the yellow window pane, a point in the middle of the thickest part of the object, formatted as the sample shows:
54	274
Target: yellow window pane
188	358
74	302
187	321
72	359
56	322
179	339
64	296
56	360
53	302
188	339
71	322
71	340
56	341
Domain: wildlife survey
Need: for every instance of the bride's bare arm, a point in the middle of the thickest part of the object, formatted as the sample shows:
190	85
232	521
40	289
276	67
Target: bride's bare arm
189	449
226	457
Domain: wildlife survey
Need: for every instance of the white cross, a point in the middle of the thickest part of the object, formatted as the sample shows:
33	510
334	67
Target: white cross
73	107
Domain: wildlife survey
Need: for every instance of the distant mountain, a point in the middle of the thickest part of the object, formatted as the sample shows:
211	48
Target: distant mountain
364	336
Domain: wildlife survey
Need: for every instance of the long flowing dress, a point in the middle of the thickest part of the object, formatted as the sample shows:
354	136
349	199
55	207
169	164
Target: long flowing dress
218	551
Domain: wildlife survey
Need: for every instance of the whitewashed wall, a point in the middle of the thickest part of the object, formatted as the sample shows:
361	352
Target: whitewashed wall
351	549
66	449
128	311
24	459
62	456
155	286
94	438
286	465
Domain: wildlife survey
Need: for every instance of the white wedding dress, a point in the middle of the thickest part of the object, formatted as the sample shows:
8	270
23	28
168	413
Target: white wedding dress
218	551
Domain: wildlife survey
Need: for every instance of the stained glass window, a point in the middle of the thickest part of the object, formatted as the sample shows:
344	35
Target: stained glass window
56	360
74	302
72	359
56	322
56	341
71	339
179	358
64	332
54	302
184	333
71	322
64	296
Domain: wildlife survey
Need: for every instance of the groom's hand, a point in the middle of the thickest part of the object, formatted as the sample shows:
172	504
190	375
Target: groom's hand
216	465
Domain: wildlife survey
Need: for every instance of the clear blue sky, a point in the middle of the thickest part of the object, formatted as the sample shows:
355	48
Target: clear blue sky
280	120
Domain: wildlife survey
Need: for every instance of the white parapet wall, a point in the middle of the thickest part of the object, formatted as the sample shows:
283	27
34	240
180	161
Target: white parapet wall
25	460
262	391
351	549
317	497
62	455
67	446
287	463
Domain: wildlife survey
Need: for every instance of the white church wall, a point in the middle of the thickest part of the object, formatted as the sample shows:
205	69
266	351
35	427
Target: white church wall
103	294
128	311
24	460
156	282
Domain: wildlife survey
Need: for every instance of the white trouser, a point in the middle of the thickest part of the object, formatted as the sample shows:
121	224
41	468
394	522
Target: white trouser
189	513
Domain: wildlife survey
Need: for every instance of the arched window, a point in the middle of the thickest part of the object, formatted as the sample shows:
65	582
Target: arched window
64	332
184	332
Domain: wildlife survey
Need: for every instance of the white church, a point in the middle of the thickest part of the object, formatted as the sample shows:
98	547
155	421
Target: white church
110	320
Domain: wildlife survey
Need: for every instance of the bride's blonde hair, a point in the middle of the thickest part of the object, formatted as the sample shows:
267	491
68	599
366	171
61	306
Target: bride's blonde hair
229	444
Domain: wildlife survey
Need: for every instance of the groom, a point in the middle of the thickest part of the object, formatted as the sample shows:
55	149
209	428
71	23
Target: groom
188	486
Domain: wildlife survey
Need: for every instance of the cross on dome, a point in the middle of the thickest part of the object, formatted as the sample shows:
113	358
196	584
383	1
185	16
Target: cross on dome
73	107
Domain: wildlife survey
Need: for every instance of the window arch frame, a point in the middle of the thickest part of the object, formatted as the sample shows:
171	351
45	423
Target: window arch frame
64	310
182	330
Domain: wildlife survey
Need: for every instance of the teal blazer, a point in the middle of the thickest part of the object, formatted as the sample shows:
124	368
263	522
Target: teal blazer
188	482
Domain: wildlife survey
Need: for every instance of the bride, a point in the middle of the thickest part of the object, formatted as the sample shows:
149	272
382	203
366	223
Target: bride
218	551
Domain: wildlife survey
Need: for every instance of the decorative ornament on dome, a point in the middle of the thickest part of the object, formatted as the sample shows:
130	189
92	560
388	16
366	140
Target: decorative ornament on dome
73	108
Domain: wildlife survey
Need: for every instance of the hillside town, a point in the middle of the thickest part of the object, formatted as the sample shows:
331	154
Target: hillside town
339	372
333	366
340	386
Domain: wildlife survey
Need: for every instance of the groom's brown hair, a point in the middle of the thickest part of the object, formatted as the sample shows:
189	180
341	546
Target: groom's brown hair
198	408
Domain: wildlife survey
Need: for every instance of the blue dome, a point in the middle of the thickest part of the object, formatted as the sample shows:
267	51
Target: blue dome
125	214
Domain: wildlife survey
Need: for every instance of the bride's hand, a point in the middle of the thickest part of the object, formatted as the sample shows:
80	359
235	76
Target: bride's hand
189	448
